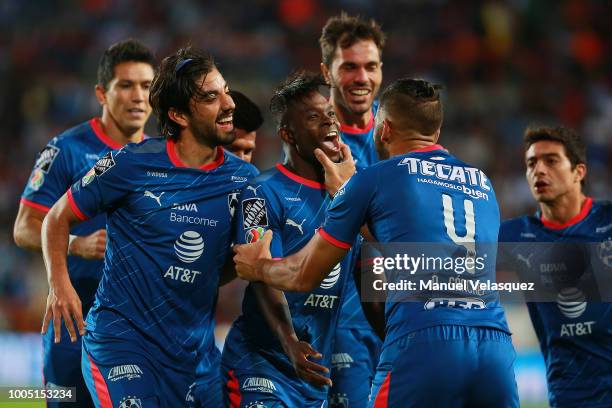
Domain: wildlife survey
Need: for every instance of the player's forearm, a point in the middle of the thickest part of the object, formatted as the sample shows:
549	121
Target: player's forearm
26	234
55	236
273	304
287	273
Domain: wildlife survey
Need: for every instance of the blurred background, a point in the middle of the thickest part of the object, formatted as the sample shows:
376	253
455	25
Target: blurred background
504	65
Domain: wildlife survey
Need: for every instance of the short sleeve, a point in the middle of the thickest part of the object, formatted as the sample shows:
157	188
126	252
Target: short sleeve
50	177
103	186
348	210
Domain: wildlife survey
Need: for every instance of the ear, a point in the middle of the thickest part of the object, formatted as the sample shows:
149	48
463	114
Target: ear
386	131
100	94
325	72
581	172
286	135
179	117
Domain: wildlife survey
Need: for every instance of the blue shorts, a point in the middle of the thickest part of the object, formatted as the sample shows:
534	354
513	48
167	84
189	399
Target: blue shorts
447	366
354	361
62	367
258	391
207	390
119	374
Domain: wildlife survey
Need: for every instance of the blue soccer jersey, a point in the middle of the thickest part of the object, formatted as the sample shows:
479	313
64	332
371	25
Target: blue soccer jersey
434	198
64	161
169	234
575	332
293	208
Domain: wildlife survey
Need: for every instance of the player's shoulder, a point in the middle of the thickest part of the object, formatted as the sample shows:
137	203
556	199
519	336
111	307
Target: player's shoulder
73	137
519	228
603	208
234	162
270	181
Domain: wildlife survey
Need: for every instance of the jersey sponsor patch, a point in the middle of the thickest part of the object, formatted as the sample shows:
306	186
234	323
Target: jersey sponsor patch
36	179
254	213
254	234
104	164
46	157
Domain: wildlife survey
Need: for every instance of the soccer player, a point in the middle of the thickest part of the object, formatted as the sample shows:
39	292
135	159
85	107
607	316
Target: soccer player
125	73
575	332
259	355
351	51
247	119
437	352
168	206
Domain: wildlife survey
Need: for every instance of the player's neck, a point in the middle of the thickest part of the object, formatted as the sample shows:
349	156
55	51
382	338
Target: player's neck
111	129
401	147
351	119
564	208
304	169
193	153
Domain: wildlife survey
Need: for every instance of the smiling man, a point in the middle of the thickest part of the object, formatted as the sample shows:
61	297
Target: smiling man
351	51
125	73
265	362
169	216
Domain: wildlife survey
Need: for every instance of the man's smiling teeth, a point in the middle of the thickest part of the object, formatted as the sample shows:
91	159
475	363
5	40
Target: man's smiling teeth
360	92
225	121
333	133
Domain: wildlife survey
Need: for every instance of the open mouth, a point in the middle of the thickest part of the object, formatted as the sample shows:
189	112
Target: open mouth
226	123
540	185
359	93
136	111
332	141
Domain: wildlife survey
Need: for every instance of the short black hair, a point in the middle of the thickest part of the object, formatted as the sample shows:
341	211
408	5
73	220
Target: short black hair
295	87
176	84
247	115
575	149
124	51
418	101
343	31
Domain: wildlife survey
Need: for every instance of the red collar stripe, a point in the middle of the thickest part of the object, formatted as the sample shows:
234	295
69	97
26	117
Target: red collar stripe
171	149
358	131
428	149
299	179
586	208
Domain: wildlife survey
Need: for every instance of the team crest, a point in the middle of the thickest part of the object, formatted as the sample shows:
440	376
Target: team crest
87	178
232	202
254	234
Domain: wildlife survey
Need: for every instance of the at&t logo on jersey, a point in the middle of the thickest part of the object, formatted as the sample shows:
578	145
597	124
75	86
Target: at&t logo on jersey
259	384
189	246
341	360
572	304
331	279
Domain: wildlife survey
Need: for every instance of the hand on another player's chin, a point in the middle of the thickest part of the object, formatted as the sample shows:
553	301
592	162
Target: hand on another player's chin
336	174
309	371
247	256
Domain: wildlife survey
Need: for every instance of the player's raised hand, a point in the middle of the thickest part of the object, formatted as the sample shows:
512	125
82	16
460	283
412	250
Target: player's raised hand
309	371
90	246
336	174
247	256
63	303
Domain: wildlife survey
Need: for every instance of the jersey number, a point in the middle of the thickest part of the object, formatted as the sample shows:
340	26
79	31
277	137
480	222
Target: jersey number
468	240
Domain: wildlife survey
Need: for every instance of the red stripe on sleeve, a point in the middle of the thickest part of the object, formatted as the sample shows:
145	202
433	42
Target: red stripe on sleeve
333	241
32	204
75	208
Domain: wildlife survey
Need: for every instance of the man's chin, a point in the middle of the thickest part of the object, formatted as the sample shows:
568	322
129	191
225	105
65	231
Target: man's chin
226	138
